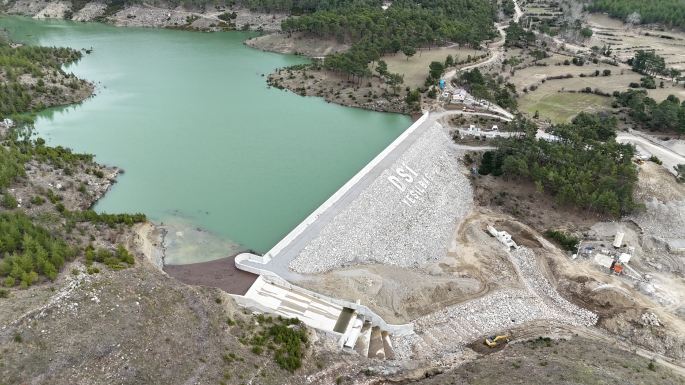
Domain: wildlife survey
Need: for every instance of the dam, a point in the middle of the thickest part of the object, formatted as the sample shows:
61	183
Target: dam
400	209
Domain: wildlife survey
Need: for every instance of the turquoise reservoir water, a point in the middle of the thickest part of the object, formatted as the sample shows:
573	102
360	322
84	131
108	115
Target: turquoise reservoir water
203	142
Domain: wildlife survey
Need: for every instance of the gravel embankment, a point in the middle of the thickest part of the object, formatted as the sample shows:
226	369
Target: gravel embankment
382	225
445	333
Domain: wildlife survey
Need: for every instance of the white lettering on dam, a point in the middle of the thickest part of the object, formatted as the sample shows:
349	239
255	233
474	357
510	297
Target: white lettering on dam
413	183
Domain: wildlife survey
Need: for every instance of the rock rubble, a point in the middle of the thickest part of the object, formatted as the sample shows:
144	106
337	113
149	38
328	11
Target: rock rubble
444	334
394	220
664	220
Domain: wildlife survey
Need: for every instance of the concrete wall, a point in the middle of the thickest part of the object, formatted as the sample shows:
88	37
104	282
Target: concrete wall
364	312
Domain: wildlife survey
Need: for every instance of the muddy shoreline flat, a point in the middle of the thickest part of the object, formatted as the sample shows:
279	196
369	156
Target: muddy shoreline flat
220	273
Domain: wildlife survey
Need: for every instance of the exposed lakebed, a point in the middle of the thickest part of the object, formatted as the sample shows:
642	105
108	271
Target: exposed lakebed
203	141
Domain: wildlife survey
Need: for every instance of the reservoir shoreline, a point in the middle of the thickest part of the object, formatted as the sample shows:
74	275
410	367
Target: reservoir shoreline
146	16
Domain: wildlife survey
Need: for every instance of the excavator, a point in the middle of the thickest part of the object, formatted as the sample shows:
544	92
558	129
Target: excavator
492	341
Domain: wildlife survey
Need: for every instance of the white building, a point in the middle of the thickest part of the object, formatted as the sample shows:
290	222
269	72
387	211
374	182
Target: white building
503	237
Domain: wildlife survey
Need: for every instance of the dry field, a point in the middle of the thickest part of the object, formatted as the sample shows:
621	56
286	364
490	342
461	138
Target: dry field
552	99
415	70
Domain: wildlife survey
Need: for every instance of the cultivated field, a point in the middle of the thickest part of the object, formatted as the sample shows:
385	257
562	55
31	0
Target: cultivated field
669	44
552	98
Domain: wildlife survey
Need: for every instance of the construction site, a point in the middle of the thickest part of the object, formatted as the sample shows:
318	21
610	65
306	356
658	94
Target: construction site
409	262
420	268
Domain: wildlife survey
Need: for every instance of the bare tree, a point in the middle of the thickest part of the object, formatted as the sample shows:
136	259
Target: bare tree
633	19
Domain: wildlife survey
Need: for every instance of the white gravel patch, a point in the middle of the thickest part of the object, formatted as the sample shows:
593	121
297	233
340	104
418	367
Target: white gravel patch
406	224
665	220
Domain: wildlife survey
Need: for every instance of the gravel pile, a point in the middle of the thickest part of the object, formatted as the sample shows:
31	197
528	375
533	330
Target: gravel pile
386	225
665	220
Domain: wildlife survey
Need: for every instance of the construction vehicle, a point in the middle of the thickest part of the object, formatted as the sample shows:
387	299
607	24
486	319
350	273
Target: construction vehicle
639	161
492	341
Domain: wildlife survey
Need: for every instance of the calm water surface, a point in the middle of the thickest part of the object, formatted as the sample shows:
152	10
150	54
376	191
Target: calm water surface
203	142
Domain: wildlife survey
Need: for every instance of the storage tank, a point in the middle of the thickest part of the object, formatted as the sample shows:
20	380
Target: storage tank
618	239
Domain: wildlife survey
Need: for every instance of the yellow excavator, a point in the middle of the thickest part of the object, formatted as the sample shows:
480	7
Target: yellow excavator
492	341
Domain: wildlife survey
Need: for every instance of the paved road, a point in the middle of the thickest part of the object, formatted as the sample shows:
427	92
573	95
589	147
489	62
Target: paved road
669	157
280	261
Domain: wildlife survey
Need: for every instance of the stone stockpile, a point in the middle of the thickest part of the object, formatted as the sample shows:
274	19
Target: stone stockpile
529	271
664	220
404	218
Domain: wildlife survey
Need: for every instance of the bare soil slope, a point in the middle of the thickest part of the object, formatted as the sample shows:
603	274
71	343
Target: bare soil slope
576	361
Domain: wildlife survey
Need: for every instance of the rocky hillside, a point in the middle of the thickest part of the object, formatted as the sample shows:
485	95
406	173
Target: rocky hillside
196	16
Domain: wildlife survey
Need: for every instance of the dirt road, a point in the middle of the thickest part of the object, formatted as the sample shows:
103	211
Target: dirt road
496	51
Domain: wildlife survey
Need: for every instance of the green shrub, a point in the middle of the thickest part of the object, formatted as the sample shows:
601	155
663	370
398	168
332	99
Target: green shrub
37	200
4	294
656	160
8	201
413	96
289	355
10	281
568	243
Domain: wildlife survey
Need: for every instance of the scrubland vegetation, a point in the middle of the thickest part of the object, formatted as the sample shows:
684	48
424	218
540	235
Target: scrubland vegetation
43	64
